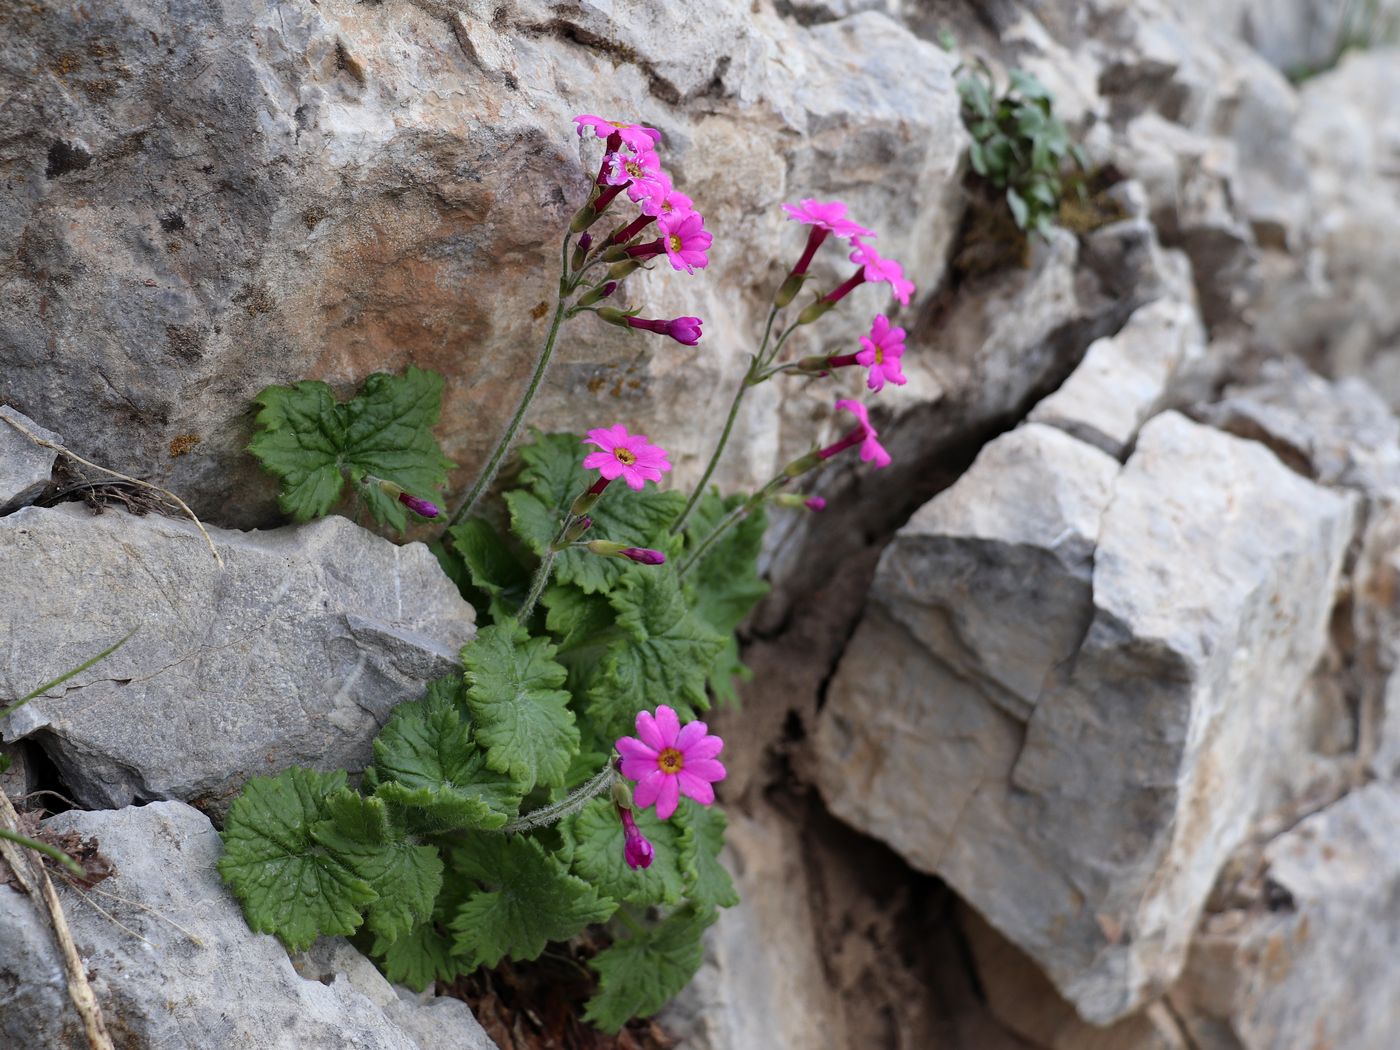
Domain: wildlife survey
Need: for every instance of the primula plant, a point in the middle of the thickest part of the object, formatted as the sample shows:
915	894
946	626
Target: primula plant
1018	144
511	805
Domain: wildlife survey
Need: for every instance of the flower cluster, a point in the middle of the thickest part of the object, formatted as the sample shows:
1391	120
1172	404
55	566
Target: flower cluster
631	164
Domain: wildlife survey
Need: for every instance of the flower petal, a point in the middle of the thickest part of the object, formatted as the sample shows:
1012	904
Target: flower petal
690	735
693	787
649	787
649	731
708	747
631	747
668	798
705	769
635	768
669	724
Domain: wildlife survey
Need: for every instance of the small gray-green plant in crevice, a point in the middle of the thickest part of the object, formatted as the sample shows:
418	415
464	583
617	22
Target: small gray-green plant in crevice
1019	146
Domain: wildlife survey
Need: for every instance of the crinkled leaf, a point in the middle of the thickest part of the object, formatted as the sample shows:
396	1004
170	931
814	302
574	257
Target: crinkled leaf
665	661
585	626
309	441
597	838
406	877
300	434
707	883
289	884
725	585
418	958
520	714
637	976
527	899
425	758
495	572
552	478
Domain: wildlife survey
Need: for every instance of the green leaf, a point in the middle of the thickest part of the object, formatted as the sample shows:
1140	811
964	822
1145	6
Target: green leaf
406	877
1027	85
586	627
553	476
521	715
425	759
417	958
527	899
596	836
310	441
637	976
289	884
665	661
1019	209
494	570
707	883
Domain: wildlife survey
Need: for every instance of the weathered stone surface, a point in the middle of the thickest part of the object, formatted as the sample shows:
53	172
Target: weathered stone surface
1026	1002
293	653
434	1022
1310	960
22	463
1124	379
207	201
1090	830
183	969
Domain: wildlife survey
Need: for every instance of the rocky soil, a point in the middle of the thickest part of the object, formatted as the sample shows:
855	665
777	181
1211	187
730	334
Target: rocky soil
1078	728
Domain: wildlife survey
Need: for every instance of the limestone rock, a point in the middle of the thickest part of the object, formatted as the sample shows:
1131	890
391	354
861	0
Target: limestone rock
1124	379
247	194
23	464
183	969
1311	960
1088	824
294	652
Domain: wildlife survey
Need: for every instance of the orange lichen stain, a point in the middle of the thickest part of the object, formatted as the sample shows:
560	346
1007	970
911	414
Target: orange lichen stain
540	310
595	384
65	63
180	444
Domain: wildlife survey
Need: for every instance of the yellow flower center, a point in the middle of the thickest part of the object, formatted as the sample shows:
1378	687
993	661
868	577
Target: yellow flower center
634	169
670	761
625	456
879	356
675	242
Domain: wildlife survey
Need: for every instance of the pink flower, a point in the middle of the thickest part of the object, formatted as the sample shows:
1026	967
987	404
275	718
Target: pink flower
657	197
827	215
643	555
622	168
626	456
669	761
685	330
864	434
880	269
422	507
634	135
685	240
636	850
882	349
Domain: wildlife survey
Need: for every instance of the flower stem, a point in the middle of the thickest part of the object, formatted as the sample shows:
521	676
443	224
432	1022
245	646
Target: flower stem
537	585
729	520
488	475
750	378
552	814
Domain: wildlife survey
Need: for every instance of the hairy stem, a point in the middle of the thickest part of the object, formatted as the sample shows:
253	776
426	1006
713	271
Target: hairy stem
552	814
488	475
537	585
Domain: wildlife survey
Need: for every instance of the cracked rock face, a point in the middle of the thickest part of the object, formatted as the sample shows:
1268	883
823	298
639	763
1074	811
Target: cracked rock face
293	653
1320	927
209	200
183	970
23	463
1065	690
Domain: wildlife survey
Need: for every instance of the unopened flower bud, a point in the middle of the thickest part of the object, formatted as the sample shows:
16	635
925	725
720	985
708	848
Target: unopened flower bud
636	850
579	526
598	294
640	555
816	503
423	508
581	251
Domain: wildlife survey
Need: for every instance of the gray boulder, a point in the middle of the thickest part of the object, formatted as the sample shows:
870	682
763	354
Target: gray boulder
1078	754
173	963
23	463
1305	956
294	652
